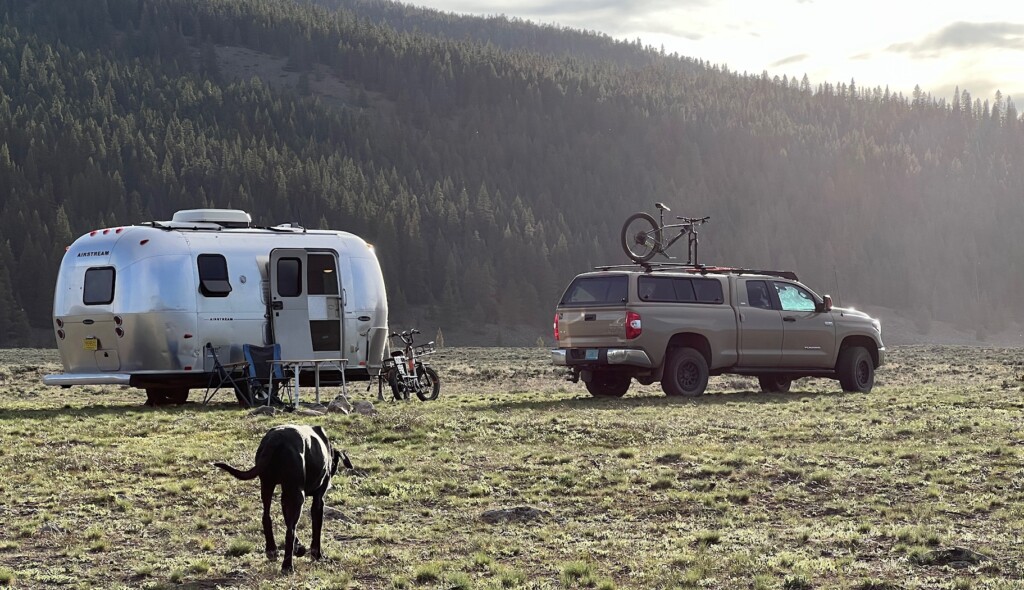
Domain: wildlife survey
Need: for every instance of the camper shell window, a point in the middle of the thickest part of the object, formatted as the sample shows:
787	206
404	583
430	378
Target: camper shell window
213	275
99	286
289	277
597	290
679	290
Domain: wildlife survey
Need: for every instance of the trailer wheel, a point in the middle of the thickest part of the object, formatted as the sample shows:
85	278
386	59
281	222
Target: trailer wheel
166	396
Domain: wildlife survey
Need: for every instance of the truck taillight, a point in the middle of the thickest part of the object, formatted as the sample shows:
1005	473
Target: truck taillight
556	327
633	325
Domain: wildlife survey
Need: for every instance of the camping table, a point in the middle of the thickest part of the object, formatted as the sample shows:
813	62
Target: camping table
297	365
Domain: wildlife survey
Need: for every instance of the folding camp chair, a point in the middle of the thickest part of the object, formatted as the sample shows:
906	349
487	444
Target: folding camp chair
262	371
224	375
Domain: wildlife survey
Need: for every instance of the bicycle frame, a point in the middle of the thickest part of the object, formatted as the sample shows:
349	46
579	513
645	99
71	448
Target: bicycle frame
687	228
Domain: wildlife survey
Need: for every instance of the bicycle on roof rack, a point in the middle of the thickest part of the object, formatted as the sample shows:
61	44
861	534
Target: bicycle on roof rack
643	236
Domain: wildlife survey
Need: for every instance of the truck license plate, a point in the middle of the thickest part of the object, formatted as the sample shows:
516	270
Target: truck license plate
91	344
591	354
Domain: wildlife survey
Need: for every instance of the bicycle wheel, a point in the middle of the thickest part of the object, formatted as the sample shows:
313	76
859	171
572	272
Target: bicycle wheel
641	237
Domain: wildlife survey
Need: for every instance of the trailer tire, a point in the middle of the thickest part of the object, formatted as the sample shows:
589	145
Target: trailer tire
166	396
686	373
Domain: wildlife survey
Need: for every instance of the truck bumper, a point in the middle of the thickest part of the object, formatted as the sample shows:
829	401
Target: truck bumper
881	356
604	356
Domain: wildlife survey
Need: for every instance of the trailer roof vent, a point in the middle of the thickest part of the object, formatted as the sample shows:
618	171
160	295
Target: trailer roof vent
222	217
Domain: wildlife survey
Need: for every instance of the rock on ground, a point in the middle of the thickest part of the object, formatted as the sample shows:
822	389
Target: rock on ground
517	514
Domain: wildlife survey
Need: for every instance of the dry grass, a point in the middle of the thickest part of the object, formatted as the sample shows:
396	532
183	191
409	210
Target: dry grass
738	489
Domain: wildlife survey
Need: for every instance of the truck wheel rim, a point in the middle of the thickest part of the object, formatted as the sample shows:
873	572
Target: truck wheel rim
863	373
687	376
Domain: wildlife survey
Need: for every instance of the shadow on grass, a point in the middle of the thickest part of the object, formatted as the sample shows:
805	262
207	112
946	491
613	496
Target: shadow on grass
741	397
126	409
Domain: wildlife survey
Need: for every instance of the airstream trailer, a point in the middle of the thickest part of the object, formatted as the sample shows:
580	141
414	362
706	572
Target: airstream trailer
137	305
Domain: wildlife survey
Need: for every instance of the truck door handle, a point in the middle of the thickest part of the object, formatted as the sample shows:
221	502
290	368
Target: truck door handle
277	305
789	318
589	317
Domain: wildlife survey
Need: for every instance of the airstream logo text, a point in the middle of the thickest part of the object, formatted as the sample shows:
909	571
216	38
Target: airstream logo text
94	253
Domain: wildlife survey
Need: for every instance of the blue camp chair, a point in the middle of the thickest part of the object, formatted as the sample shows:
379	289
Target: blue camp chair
260	369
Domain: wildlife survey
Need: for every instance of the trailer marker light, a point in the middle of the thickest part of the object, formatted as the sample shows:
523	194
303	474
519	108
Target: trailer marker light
60	334
187	336
92	233
188	368
362	363
119	332
119	230
118	320
144	242
106	231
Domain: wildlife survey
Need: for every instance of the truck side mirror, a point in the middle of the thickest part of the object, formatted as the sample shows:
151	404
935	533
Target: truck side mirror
827	305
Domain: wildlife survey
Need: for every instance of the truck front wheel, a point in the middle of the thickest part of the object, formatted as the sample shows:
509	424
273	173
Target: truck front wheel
856	369
686	373
608	384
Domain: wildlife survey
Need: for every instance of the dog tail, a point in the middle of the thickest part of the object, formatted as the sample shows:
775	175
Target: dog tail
243	475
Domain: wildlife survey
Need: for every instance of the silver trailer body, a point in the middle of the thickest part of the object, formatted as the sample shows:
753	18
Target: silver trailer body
137	305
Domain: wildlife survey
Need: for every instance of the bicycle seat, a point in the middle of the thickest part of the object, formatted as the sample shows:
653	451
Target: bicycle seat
662	206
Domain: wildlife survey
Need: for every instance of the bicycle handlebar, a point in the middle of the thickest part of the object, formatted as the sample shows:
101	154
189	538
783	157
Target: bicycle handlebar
694	219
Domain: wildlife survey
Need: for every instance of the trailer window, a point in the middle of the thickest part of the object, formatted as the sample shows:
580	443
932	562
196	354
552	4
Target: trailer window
601	290
321	275
99	286
213	275
289	277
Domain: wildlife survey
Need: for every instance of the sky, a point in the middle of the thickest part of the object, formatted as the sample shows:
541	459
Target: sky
936	44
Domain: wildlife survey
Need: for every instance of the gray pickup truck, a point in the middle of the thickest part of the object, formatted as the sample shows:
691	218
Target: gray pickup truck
681	325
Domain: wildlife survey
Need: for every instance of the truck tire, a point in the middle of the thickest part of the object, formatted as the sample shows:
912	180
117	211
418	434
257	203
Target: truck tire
856	369
608	384
686	373
774	383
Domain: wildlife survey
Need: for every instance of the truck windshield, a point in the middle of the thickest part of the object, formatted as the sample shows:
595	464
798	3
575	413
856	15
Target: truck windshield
609	289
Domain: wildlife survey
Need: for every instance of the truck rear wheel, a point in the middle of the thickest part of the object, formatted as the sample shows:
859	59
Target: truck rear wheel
774	383
608	384
686	373
856	369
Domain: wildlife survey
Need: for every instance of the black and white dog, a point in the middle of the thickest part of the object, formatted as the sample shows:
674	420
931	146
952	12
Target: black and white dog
301	460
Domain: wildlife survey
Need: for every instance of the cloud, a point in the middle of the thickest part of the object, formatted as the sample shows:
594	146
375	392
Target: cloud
965	35
790	60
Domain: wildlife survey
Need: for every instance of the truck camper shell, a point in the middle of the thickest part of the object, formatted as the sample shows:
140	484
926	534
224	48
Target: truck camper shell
137	305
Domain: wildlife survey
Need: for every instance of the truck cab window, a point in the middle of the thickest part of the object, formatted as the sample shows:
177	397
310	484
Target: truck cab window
99	286
794	298
213	275
757	295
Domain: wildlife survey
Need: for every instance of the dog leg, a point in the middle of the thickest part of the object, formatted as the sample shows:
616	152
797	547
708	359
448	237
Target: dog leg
316	512
291	506
267	495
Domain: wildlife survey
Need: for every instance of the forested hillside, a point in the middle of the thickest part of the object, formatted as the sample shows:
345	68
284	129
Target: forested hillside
489	160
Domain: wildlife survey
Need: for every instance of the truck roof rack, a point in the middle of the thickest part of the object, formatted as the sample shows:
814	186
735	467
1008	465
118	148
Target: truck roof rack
650	267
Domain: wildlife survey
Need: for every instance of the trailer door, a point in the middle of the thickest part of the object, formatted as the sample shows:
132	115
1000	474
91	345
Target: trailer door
307	303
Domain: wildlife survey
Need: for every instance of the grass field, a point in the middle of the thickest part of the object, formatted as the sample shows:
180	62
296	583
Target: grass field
919	484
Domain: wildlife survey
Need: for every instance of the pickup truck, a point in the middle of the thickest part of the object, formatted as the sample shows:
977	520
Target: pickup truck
679	326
